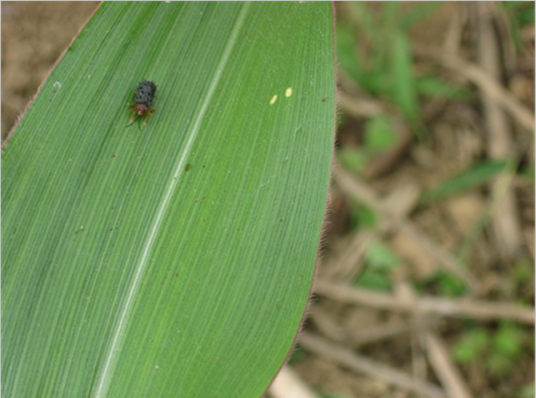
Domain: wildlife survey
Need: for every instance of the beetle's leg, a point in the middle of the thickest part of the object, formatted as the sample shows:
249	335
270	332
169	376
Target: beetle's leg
149	115
133	112
132	121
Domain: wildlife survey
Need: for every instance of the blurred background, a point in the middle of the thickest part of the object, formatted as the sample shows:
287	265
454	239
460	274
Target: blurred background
425	287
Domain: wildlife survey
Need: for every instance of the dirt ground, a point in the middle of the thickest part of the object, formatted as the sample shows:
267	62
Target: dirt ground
34	35
343	332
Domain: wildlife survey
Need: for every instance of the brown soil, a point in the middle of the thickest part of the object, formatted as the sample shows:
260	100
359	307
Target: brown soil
34	35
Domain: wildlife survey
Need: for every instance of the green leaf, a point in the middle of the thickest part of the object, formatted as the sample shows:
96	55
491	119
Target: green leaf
520	14
507	349
175	260
521	11
390	15
380	257
367	22
523	272
471	346
469	179
444	283
346	51
363	59
363	217
449	285
508	340
403	90
434	87
374	280
352	159
380	134
380	260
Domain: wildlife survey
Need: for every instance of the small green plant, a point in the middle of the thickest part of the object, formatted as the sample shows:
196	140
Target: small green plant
379	137
363	217
474	177
520	14
472	345
353	159
506	349
499	350
374	49
380	260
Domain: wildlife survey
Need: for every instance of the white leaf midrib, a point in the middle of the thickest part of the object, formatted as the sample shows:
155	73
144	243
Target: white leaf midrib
107	369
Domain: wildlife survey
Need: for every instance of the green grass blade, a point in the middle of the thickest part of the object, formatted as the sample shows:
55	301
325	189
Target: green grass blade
471	178
176	260
403	86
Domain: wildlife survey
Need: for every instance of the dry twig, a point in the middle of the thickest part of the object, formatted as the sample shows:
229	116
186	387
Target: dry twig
505	220
368	335
444	368
476	75
438	354
287	384
374	369
461	308
359	107
347	264
453	36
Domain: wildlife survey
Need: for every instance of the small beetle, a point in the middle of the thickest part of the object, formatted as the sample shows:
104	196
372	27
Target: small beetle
142	101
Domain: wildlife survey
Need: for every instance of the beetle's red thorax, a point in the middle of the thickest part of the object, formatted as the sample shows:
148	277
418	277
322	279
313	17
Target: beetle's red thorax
142	109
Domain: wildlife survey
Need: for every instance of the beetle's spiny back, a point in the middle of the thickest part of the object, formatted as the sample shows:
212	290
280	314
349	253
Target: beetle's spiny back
145	93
